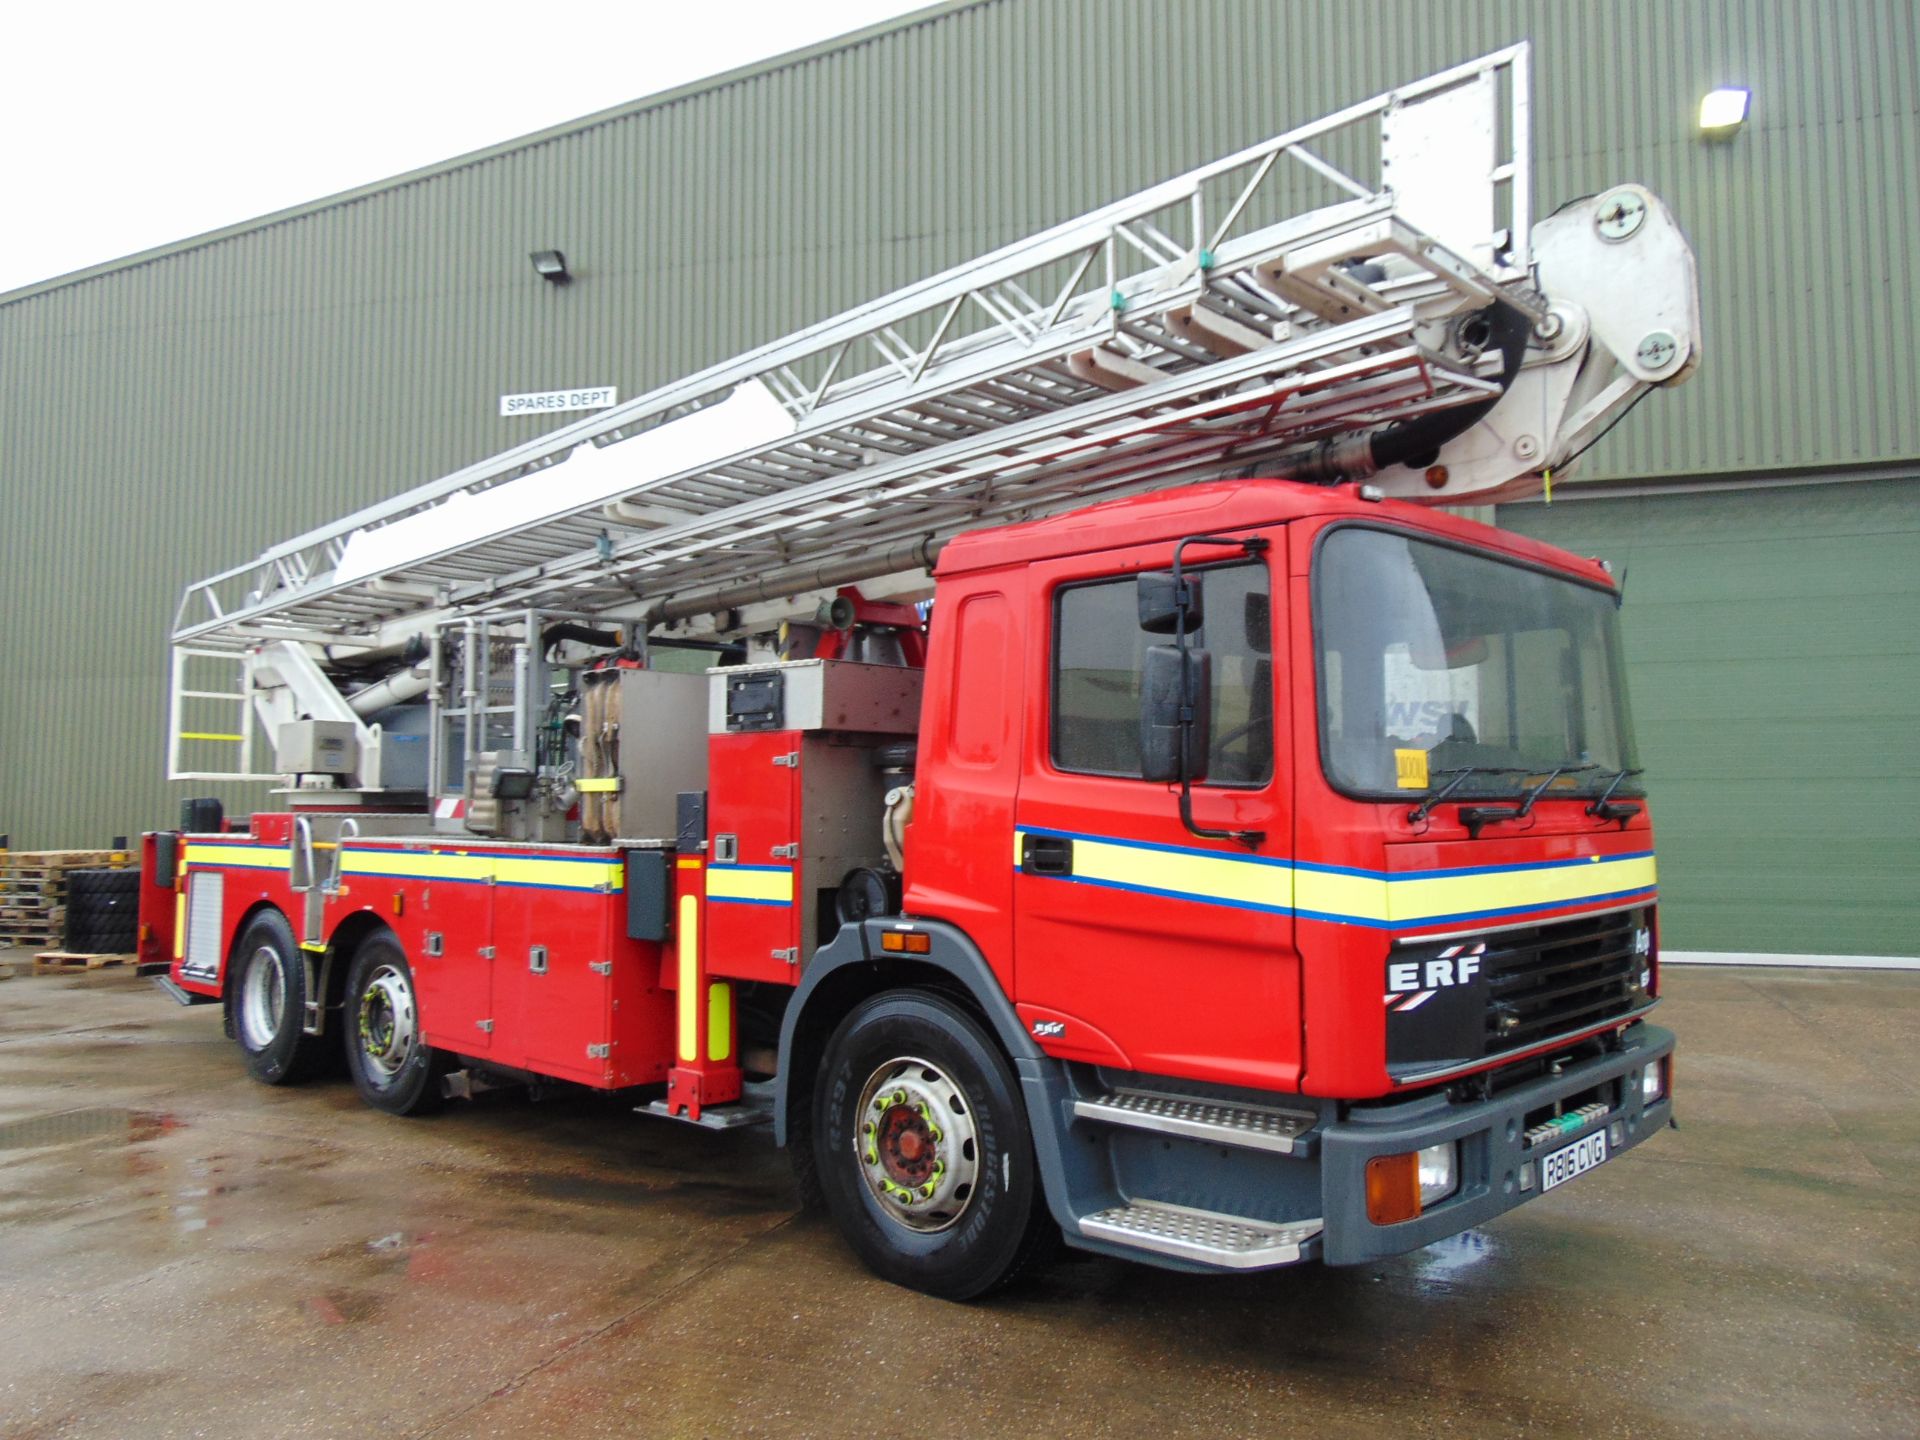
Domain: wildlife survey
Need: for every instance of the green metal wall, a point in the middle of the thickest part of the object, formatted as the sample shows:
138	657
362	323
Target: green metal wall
1773	644
175	414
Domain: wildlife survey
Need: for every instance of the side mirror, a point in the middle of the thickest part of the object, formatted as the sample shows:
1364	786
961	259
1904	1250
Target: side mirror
1176	714
1161	599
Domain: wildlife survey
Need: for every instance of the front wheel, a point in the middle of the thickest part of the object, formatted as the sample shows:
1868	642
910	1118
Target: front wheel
393	1067
922	1148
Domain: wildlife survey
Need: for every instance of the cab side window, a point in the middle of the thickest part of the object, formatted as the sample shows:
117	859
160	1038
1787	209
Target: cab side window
1099	652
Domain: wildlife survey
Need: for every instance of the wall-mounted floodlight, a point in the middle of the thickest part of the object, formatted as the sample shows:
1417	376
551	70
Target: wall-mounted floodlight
1723	111
551	266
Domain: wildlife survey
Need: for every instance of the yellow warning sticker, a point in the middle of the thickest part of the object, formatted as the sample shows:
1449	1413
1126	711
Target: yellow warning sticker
1411	767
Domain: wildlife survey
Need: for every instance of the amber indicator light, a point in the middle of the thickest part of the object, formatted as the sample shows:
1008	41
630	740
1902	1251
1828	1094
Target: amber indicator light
1393	1188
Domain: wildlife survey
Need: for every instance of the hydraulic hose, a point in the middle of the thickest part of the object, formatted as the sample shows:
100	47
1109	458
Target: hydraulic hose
1416	443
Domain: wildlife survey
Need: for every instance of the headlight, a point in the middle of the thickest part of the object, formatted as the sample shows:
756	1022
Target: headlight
1439	1172
1653	1082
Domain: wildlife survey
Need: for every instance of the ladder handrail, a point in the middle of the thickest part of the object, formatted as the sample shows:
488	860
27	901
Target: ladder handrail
297	572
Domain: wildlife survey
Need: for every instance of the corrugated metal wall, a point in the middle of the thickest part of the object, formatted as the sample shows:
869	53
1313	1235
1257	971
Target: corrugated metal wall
1773	643
170	418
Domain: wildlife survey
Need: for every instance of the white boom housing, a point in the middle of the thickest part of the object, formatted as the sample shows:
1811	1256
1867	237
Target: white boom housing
1273	313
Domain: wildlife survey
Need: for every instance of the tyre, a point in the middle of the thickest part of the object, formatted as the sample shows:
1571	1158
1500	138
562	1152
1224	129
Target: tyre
922	1149
267	1002
392	1065
102	911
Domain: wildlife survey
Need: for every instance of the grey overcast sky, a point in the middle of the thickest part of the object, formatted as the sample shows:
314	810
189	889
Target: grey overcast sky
131	125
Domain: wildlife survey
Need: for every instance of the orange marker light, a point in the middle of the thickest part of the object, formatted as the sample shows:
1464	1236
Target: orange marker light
910	942
1393	1188
1437	477
399	902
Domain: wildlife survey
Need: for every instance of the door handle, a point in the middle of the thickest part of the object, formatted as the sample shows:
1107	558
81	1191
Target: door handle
1046	855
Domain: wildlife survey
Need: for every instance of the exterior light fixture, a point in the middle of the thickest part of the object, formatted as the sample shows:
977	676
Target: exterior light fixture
1723	111
551	266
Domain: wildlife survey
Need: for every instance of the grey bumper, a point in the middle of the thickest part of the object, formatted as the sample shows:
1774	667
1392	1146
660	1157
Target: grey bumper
1498	1169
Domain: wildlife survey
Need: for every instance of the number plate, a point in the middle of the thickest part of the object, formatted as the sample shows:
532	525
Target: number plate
1570	1160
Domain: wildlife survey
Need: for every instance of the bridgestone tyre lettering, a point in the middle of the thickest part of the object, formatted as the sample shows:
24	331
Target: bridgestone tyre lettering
1001	1227
392	1066
267	1002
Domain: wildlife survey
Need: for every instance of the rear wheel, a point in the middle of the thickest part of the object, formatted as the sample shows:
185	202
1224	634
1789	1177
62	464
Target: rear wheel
392	1064
923	1151
267	1002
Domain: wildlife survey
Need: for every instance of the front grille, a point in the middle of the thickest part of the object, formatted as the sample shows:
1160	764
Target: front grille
1470	997
1548	980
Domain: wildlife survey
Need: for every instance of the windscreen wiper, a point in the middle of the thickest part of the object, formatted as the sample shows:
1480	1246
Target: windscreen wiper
1460	773
1474	816
1604	808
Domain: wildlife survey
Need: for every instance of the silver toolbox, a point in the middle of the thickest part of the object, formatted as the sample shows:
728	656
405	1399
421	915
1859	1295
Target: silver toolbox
316	747
814	695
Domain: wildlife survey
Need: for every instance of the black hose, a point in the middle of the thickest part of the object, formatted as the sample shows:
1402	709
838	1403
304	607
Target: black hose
1416	443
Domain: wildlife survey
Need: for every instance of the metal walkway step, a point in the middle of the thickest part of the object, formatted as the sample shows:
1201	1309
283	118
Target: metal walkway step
714	1117
1252	1127
1230	1241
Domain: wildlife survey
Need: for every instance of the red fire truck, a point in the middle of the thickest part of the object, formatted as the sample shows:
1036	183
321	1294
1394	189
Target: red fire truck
971	768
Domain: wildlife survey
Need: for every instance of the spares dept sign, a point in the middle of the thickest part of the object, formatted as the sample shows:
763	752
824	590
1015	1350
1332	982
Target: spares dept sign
545	402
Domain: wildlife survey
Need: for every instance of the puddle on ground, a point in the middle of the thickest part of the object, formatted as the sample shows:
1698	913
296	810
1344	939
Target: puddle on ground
102	1125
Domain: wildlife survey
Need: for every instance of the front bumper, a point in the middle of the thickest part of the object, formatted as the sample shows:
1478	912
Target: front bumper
1498	1169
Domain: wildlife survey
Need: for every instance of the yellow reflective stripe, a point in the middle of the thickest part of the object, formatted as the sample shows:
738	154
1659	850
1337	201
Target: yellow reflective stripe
245	857
1222	879
1409	900
506	869
728	882
597	787
180	920
1321	894
719	1020
209	735
1351	897
689	999
561	874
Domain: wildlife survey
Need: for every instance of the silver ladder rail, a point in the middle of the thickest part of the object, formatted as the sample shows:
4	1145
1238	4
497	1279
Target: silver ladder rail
1098	356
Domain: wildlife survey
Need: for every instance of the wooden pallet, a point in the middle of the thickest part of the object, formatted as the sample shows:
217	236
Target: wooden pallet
50	960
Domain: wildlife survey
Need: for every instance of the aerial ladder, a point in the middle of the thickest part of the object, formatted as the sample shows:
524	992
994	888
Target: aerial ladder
1363	298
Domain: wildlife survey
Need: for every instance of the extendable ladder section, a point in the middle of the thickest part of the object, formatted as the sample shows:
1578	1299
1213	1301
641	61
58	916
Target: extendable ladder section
1183	332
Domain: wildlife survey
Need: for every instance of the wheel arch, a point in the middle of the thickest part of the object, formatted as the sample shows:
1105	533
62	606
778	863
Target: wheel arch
851	968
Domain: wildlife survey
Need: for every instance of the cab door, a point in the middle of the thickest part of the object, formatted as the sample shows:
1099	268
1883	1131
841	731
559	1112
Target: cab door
1139	943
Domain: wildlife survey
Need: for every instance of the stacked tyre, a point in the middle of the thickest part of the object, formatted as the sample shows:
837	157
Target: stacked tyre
103	911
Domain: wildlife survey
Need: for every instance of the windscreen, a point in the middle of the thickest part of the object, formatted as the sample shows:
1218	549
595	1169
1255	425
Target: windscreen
1466	660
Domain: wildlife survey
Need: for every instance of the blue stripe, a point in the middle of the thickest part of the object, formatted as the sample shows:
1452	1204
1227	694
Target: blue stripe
1150	845
743	900
1443	872
1168	894
1471	915
490	855
1446	873
780	869
359	874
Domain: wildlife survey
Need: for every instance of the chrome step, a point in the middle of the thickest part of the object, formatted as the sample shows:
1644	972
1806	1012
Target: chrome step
1253	1127
732	1116
1230	1241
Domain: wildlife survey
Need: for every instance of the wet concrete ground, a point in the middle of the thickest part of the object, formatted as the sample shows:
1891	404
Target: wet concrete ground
185	1252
